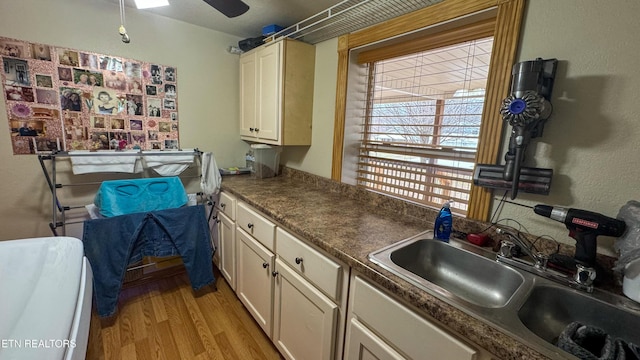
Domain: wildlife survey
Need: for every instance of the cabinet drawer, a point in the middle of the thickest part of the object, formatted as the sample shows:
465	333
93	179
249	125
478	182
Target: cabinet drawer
255	224
316	267
227	204
410	333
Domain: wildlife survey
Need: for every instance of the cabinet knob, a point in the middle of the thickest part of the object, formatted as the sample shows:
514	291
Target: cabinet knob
217	221
252	129
222	205
274	273
298	260
265	265
250	225
257	129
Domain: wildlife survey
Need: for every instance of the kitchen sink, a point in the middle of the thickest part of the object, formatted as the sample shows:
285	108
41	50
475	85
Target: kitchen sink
529	307
464	274
550	308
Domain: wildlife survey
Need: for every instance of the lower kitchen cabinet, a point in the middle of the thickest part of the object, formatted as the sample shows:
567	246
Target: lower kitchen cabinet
305	320
393	331
364	344
254	281
227	239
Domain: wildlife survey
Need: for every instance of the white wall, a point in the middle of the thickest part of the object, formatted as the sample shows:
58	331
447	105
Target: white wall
592	138
207	84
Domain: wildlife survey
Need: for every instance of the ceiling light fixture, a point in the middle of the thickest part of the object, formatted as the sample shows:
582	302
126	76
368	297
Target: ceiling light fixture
146	4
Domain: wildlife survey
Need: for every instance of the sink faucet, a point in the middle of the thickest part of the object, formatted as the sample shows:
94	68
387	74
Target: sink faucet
584	276
506	247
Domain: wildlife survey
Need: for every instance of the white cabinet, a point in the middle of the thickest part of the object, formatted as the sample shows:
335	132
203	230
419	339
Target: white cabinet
305	320
254	281
276	93
295	292
393	331
225	257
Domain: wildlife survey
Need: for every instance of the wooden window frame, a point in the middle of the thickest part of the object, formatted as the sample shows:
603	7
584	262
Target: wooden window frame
508	20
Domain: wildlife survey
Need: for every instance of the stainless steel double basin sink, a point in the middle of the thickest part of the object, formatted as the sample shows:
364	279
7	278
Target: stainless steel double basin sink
528	307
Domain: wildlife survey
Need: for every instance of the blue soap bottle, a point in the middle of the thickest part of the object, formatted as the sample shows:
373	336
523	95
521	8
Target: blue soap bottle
444	223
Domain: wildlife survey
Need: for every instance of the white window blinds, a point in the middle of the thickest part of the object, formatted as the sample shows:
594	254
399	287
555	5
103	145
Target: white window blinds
422	121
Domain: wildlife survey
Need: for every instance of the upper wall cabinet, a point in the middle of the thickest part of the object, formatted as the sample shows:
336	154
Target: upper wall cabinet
276	93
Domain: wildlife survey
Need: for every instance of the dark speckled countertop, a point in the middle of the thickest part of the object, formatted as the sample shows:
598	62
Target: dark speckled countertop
349	223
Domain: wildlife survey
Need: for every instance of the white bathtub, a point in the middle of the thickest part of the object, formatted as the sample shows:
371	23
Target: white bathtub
46	287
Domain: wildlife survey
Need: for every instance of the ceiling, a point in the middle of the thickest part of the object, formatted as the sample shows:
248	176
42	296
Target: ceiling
261	13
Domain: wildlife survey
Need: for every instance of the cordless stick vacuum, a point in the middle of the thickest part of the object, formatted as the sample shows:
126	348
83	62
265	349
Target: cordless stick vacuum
526	109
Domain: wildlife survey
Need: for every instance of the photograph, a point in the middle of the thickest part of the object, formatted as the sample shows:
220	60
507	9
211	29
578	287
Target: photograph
81	77
65	74
99	140
134	105
153	135
95	78
40	52
138	138
49	97
16	72
89	61
174	127
43	144
12	48
151	90
133	70
27	127
134	86
169	104
171	144
164	126
156	74
68	57
14	93
153	107
115	80
135	124
170	74
44	81
75	132
174	116
156	146
105	101
117	124
97	122
70	99
170	90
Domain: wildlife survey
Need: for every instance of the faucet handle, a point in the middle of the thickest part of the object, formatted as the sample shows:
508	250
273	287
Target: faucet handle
506	249
584	275
541	261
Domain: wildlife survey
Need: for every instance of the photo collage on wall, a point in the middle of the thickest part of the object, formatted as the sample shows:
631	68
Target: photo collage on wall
65	99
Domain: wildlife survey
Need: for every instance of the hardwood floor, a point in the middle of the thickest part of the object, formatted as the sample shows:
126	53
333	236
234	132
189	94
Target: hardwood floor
165	319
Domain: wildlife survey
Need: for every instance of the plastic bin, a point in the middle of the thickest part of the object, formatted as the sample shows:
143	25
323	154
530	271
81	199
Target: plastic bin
267	160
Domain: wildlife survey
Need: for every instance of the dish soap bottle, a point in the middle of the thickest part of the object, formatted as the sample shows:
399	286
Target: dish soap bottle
444	223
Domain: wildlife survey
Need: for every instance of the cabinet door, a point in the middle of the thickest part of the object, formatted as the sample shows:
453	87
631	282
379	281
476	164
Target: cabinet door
363	344
304	319
227	249
254	282
248	94
269	91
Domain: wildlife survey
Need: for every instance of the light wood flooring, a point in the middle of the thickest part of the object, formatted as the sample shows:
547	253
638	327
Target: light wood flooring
165	319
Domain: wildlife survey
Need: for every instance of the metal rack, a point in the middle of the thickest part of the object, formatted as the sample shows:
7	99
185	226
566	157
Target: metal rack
59	210
349	16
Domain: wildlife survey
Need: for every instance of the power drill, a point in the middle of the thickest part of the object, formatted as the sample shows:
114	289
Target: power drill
584	226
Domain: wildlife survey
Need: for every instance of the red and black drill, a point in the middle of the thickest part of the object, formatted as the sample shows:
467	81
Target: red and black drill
584	226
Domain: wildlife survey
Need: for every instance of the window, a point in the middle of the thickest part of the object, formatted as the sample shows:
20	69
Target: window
422	122
419	136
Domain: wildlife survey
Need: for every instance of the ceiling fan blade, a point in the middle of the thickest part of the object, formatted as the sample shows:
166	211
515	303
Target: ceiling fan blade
230	8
